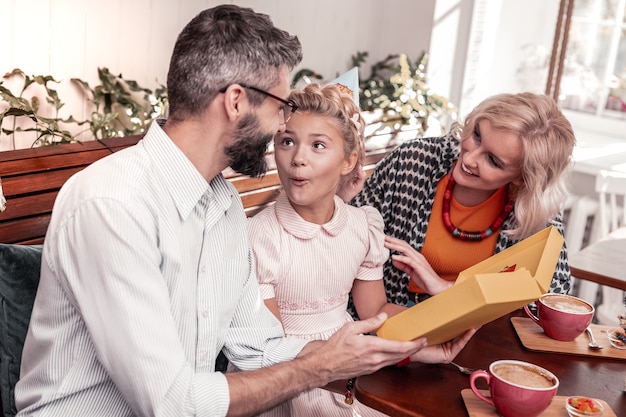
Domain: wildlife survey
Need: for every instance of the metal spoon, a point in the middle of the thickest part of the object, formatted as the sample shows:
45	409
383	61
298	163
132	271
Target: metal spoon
592	344
463	369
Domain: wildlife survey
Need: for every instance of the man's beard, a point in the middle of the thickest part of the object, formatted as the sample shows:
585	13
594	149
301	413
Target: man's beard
247	153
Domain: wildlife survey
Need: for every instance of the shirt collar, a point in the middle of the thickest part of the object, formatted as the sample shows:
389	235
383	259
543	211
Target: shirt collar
184	182
300	228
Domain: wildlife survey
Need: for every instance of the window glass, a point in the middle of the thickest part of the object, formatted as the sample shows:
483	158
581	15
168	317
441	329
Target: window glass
616	100
596	9
594	71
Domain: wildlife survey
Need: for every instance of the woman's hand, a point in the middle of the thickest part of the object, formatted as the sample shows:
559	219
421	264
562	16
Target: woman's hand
445	352
413	263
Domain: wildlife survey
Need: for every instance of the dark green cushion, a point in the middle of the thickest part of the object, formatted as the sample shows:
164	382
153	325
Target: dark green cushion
20	267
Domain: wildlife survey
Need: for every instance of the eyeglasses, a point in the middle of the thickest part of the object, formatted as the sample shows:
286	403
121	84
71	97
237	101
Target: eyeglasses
288	108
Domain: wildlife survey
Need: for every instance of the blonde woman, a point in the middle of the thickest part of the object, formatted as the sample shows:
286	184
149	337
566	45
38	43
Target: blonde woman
453	201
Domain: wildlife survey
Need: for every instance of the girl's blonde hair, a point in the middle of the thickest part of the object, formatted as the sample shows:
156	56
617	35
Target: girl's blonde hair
547	143
341	110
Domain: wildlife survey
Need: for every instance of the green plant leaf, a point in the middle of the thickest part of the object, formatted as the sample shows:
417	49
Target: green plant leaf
20	112
16	71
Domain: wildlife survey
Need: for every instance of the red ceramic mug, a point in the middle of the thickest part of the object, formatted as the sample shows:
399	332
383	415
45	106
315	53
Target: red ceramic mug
562	317
516	388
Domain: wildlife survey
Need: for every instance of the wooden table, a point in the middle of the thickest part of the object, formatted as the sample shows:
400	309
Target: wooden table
603	262
435	390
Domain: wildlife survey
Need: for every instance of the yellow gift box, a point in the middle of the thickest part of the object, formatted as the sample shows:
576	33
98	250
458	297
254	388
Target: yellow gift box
483	292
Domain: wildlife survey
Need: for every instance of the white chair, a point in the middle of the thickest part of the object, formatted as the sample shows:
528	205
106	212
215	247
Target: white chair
580	208
611	187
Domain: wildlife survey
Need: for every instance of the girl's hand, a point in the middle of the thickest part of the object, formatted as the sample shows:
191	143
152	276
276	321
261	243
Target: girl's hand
413	263
445	352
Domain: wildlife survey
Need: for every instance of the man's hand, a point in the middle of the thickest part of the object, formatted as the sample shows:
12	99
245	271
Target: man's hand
352	352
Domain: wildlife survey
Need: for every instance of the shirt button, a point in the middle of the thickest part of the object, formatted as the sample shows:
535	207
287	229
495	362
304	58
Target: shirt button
205	313
203	269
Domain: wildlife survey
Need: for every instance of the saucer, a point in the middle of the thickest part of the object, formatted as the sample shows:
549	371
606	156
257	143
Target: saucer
617	338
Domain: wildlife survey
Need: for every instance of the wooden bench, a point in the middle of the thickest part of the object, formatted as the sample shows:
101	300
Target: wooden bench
31	179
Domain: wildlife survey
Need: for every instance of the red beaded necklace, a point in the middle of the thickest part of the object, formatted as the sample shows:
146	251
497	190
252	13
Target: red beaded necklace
462	234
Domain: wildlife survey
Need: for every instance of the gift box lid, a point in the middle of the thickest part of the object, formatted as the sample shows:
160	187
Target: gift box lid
484	292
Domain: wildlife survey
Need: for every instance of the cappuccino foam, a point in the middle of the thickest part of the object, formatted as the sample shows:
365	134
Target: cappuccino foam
523	375
566	304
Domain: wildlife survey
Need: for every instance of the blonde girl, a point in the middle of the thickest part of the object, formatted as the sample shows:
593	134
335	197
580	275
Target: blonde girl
312	250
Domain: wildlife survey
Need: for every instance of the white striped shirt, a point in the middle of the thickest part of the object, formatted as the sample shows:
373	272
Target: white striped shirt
147	274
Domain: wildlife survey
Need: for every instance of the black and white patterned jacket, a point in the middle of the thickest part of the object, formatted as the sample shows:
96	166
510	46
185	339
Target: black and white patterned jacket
402	188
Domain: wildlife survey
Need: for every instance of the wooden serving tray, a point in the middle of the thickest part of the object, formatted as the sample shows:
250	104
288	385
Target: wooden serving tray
478	408
533	338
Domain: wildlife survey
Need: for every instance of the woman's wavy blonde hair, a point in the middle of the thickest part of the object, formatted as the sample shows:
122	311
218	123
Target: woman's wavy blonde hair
547	144
341	110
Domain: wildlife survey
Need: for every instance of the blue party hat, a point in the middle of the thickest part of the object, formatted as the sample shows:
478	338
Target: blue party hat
348	82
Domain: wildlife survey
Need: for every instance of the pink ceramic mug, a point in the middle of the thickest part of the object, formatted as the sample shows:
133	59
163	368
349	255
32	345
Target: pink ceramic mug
517	389
562	317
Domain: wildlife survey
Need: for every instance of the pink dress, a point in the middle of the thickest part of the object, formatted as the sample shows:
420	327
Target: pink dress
310	269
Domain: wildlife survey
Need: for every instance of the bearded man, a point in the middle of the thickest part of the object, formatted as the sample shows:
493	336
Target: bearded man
147	273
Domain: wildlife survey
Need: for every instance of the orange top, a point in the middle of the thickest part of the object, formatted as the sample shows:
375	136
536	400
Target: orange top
448	255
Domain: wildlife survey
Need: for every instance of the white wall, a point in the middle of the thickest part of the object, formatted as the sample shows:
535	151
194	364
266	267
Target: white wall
72	38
